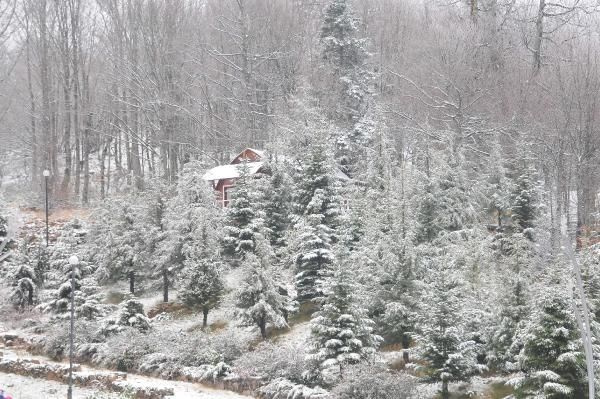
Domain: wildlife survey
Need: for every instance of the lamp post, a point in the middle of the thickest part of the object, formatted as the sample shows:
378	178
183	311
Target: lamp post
46	174
73	261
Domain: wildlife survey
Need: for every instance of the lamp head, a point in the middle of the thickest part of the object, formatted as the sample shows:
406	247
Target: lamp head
74	260
46	173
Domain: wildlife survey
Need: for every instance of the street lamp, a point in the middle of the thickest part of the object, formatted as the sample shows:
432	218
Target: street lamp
46	174
73	261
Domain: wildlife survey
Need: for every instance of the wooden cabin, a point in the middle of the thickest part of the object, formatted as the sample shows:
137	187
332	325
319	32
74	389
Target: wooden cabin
223	177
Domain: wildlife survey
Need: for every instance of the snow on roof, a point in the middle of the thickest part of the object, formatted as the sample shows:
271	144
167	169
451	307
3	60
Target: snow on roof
260	153
231	171
340	175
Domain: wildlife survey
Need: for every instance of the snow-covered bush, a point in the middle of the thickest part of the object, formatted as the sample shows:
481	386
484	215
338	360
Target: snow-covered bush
131	314
281	388
270	361
24	290
125	351
370	381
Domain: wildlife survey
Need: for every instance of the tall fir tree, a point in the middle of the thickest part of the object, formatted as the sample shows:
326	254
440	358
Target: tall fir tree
315	172
451	356
203	285
242	220
524	209
314	257
277	208
341	331
552	359
345	53
193	220
259	301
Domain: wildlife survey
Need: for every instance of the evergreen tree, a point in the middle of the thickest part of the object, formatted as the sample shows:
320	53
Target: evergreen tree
242	221
3	225
427	228
524	202
345	54
314	256
451	356
193	225
277	208
341	331
64	291
203	286
499	187
315	173
117	238
24	290
258	299
552	358
505	341
398	320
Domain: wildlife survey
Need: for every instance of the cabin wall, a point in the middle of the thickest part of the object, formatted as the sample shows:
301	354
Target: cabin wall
221	189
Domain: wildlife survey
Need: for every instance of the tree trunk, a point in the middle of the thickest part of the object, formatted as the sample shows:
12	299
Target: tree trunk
262	324
103	170
205	317
63	24
34	143
165	285
539	36
445	390
86	160
132	282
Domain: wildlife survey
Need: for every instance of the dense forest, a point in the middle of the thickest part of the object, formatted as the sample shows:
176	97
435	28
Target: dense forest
428	202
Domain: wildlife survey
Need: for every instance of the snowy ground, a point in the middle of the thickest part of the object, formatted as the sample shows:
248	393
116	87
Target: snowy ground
30	388
25	387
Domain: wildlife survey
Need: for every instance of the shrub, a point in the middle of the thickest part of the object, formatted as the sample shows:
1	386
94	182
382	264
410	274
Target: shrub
283	388
372	382
273	361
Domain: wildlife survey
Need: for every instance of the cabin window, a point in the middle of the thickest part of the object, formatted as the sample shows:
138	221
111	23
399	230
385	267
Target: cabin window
227	194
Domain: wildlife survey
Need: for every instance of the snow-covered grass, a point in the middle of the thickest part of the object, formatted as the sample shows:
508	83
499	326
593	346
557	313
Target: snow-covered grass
21	387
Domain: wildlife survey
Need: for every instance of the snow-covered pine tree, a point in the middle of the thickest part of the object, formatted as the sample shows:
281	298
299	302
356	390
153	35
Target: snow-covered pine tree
202	284
242	220
499	187
315	172
524	208
341	331
450	355
3	225
155	215
552	359
64	291
24	288
192	223
314	256
277	207
259	302
345	53
116	242
427	227
504	343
